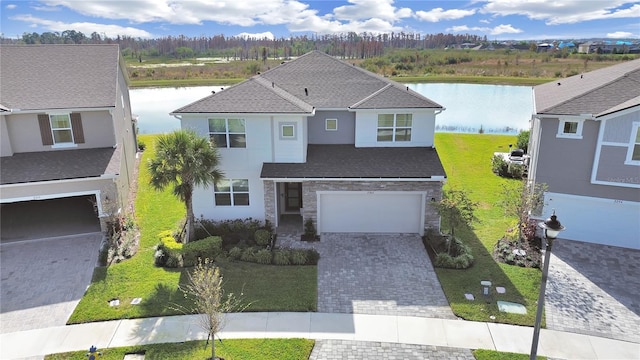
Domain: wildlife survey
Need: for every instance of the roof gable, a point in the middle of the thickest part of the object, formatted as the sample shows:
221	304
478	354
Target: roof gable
314	80
597	93
251	96
36	77
393	97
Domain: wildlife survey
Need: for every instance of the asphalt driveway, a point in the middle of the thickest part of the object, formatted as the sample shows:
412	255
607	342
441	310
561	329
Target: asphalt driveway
43	280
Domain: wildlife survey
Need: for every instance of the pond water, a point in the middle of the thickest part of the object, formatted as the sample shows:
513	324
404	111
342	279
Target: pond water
496	108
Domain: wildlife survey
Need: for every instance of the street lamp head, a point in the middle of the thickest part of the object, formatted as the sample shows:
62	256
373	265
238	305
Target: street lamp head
551	226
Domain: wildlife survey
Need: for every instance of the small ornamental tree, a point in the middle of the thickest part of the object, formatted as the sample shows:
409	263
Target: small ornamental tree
457	210
209	300
521	199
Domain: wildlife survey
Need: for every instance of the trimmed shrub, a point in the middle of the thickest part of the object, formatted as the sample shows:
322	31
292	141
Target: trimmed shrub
262	237
263	257
281	257
174	261
235	253
299	257
458	257
248	255
445	260
312	257
499	165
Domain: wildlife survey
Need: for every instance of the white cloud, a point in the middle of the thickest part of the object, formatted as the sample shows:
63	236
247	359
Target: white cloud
373	16
11	6
263	35
497	30
622	35
84	27
564	12
370	9
242	13
439	14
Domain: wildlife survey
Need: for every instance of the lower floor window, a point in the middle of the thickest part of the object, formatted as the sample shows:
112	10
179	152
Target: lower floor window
232	192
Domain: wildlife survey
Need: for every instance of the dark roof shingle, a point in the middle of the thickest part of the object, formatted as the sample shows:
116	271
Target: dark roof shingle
598	93
59	165
349	162
314	80
37	77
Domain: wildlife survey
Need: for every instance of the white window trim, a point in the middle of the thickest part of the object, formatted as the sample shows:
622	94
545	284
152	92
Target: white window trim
635	127
395	127
286	125
231	192
226	132
61	145
326	124
563	135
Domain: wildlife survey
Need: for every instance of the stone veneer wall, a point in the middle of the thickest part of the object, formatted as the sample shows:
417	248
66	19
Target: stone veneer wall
309	198
270	210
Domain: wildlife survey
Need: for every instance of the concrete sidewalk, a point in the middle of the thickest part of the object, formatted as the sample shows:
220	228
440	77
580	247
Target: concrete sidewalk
375	328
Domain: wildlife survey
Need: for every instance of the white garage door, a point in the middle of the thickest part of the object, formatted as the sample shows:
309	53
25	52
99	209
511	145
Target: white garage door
594	220
371	212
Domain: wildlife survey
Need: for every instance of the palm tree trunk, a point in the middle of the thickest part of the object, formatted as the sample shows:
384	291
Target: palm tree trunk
190	233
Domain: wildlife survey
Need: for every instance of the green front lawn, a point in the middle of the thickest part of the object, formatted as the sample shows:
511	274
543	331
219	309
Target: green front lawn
231	349
467	161
266	287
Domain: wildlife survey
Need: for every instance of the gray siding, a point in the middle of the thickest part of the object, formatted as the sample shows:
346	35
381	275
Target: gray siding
24	132
565	165
611	167
618	129
345	134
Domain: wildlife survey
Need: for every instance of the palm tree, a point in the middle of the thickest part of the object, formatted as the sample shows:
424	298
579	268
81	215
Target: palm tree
185	160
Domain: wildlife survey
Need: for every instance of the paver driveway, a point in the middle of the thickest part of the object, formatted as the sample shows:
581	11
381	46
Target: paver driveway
43	280
594	289
378	274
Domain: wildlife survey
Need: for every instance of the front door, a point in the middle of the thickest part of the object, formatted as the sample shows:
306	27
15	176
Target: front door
292	196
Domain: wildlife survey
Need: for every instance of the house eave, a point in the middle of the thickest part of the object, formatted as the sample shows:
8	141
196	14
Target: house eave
374	179
52	110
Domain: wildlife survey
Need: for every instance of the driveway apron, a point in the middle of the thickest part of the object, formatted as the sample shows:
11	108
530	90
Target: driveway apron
378	274
594	290
42	281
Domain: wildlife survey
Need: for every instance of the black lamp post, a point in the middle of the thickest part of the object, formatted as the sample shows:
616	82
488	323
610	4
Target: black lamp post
552	228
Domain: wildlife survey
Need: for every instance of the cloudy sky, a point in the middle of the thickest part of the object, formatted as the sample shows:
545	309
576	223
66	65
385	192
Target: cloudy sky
497	19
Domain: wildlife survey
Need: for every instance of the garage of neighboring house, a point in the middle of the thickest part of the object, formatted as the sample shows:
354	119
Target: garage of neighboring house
34	219
371	212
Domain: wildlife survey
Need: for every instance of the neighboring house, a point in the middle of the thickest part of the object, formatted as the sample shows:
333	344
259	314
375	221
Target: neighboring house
66	127
585	145
324	139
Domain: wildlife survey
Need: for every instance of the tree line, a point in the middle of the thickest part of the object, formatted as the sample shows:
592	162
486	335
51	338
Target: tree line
348	46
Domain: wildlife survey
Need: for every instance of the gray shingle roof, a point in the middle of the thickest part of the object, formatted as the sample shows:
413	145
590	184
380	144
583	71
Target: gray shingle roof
599	92
36	77
252	96
59	165
314	80
347	161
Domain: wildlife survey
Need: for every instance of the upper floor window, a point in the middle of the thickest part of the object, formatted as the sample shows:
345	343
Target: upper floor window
331	124
228	133
571	129
633	154
287	131
394	127
61	129
231	192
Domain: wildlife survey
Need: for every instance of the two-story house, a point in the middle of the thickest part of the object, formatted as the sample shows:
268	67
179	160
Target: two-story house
585	146
323	138
67	135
